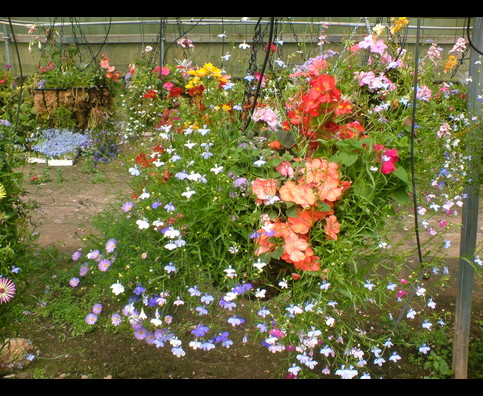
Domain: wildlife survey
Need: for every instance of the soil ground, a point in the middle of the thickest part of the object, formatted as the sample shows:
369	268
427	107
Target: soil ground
66	205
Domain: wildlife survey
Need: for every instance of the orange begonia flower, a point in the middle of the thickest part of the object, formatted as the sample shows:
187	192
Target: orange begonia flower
305	220
300	194
275	145
309	263
264	189
332	227
263	244
295	246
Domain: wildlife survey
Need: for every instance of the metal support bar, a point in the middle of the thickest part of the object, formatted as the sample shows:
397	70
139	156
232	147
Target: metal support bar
6	38
470	215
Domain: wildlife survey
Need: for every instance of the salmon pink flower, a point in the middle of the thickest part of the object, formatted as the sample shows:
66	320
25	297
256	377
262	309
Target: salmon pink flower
295	247
300	194
265	190
332	227
285	169
105	62
305	220
324	176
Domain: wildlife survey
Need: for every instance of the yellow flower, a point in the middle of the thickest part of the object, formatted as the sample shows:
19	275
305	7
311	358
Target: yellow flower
450	65
3	193
208	70
226	107
399	23
194	82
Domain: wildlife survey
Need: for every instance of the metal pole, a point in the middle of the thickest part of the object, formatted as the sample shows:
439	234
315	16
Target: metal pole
470	215
7	45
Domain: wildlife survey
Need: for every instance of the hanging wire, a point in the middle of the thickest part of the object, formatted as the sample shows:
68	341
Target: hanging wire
262	72
422	270
468	37
182	32
93	56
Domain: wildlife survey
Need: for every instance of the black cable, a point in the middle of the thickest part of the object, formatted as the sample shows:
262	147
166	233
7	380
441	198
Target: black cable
413	135
469	37
262	73
422	270
183	34
94	57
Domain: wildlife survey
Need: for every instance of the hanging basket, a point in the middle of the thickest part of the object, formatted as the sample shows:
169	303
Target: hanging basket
89	106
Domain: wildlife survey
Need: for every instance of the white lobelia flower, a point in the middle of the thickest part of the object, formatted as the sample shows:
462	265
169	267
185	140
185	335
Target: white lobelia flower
142	224
259	265
144	195
117	288
188	193
171	233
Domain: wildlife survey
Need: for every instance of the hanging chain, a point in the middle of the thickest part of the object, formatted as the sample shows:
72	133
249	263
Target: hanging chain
257	44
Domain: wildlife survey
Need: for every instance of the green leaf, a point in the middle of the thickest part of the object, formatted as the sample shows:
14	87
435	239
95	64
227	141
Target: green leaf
347	158
401	196
401	173
292	211
277	253
286	139
323	206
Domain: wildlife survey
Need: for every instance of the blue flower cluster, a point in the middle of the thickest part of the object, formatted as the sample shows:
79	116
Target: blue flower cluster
57	143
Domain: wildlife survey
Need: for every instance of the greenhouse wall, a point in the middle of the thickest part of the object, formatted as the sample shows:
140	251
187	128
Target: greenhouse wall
123	39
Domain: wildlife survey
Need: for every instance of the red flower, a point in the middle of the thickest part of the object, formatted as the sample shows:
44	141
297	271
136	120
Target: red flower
175	92
323	92
143	161
275	145
196	91
350	130
271	47
343	108
150	94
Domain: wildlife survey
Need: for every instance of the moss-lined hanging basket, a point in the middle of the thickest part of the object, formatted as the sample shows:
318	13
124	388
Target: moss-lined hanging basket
89	106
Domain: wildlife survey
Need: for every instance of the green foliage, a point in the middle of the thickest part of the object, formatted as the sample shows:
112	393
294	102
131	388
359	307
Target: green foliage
195	220
13	210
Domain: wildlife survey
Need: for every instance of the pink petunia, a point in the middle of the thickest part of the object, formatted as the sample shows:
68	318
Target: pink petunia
388	158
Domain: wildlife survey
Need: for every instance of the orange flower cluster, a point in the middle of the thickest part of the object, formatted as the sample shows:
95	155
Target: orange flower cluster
111	71
311	198
318	112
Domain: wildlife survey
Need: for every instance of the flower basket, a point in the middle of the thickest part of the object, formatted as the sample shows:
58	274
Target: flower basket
59	147
66	160
35	159
88	105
